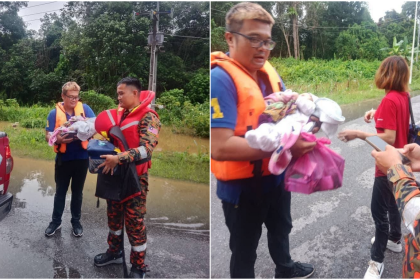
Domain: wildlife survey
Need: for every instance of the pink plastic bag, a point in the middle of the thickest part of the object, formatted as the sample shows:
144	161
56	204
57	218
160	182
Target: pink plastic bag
319	170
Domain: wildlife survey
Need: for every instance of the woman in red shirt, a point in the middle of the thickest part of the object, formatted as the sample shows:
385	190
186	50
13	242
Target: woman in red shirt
392	121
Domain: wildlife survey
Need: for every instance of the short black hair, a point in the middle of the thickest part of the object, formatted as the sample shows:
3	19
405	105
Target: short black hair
130	81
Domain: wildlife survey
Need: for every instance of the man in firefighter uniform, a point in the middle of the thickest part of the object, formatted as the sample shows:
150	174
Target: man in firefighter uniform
250	195
140	126
71	162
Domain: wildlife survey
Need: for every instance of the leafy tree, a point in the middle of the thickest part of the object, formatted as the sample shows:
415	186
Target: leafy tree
360	42
12	27
402	48
197	90
15	73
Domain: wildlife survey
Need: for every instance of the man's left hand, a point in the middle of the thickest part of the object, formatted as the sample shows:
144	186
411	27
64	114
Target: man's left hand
110	162
386	159
302	147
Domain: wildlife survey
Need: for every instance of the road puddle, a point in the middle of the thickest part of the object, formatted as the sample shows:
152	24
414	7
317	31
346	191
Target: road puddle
171	204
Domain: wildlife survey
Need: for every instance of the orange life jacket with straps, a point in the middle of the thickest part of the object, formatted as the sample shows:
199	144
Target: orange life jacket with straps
129	126
250	106
60	119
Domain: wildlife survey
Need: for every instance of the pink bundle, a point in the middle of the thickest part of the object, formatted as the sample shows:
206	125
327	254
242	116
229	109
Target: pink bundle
319	170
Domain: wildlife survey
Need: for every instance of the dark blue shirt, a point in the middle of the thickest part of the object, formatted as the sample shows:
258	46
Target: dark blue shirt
224	91
74	150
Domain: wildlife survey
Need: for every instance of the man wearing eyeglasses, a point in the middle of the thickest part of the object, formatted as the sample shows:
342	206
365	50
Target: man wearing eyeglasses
250	195
71	162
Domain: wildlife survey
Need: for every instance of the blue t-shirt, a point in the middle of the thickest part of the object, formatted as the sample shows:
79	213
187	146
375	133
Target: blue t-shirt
223	89
74	150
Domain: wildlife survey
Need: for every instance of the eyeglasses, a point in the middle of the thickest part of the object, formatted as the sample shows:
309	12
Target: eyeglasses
257	43
73	98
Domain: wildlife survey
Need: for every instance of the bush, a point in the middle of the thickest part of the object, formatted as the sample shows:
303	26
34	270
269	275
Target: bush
21	114
12	103
98	102
197	118
316	71
197	89
33	123
172	102
183	115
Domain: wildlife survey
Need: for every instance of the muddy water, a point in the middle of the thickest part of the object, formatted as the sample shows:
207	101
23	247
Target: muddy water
169	141
357	110
171	204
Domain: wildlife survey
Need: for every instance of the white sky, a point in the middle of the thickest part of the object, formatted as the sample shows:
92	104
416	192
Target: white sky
32	21
377	9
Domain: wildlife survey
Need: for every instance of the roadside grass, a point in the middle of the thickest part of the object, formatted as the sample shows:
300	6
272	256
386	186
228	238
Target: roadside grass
346	92
31	143
181	166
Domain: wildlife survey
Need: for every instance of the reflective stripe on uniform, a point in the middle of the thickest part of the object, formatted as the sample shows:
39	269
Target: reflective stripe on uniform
139	248
118	232
411	210
143	152
110	117
129	124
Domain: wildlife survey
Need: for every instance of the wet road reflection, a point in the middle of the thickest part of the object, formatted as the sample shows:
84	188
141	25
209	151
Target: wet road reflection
177	223
170	203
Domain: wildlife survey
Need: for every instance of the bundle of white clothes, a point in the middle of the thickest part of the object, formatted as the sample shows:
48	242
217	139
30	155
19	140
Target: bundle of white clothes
267	136
83	127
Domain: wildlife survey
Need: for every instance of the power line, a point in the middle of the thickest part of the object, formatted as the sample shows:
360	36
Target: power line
38	5
41	13
219	10
326	27
33	20
192	37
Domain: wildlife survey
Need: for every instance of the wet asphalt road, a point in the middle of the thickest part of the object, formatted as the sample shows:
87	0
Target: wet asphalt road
331	230
177	246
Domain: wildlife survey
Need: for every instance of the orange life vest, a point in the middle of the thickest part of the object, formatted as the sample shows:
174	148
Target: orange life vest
250	106
129	126
60	119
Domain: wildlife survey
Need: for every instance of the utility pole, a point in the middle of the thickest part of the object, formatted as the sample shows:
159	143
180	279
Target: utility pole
418	41
155	44
412	48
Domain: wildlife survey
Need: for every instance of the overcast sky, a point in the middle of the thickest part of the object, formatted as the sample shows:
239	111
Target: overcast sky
377	9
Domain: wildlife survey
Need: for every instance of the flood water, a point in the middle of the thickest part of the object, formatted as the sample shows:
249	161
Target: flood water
169	141
357	110
172	204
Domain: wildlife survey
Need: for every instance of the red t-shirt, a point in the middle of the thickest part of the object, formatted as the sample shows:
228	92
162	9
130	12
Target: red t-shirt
393	114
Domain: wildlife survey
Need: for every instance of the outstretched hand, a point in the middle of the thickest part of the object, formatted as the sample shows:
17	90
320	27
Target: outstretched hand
347	135
369	115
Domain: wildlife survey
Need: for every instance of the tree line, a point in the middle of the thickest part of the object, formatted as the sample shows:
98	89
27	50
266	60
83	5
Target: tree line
328	30
98	43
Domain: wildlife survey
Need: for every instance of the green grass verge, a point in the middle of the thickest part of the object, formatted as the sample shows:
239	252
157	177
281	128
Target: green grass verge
181	166
346	92
174	165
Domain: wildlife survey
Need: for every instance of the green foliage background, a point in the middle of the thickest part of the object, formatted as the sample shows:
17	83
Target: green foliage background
327	30
98	43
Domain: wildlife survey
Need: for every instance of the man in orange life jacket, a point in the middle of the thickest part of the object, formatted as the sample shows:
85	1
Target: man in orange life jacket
250	195
140	126
71	162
